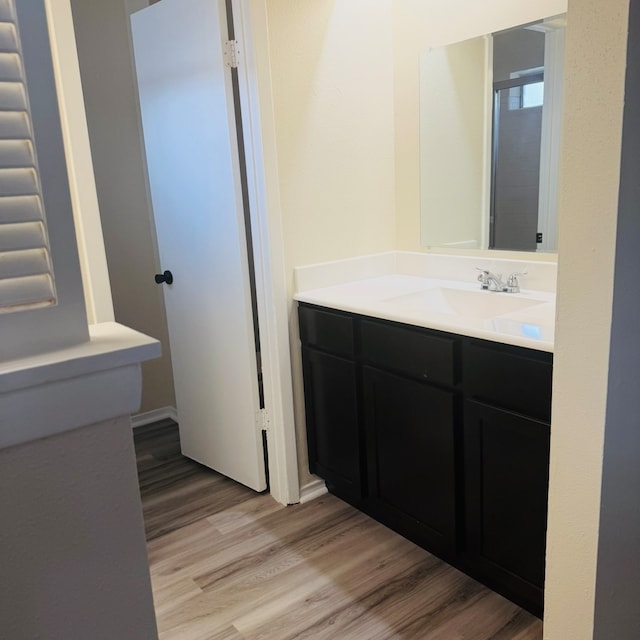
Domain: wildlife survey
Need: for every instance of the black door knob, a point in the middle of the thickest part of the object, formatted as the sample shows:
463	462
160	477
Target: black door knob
167	277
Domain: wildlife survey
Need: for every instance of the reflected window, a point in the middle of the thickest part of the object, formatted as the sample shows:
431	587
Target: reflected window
528	94
532	95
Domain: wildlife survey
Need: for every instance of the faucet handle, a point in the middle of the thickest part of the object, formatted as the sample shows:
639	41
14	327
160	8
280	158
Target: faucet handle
512	283
513	278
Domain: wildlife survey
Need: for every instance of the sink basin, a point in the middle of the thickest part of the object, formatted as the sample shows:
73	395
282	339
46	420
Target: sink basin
460	302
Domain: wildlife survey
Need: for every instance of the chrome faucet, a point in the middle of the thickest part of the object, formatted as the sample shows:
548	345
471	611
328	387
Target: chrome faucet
492	282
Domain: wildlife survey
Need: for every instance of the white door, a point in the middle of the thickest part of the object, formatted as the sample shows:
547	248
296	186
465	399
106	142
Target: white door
190	140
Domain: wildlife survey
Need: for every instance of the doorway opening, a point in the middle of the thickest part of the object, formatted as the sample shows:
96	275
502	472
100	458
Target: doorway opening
272	419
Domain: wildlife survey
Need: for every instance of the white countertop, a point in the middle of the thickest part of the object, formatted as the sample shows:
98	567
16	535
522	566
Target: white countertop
525	319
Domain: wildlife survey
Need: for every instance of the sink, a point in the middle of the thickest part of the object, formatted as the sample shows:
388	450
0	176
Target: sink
460	302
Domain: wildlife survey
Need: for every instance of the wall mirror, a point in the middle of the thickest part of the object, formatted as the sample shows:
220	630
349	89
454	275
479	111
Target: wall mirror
490	127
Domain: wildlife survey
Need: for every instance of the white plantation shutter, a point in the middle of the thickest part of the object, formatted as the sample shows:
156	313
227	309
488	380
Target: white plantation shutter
26	277
37	234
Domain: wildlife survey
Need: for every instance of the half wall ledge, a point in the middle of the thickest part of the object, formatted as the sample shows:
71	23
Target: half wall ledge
81	385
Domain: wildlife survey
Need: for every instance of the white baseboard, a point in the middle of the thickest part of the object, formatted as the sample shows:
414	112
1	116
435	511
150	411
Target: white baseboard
140	419
312	490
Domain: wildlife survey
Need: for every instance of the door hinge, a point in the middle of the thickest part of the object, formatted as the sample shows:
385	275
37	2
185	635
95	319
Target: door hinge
539	238
231	54
262	420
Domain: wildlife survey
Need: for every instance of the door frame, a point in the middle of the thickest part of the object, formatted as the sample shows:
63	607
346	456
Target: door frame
254	79
250	20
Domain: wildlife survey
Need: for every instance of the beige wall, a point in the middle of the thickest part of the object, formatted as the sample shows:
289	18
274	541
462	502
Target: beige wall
595	57
332	83
332	80
418	25
116	147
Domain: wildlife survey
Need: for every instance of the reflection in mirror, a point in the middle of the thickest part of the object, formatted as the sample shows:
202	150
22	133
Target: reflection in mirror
490	115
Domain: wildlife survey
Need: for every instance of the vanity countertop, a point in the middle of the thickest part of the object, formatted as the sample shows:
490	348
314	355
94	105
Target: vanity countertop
523	319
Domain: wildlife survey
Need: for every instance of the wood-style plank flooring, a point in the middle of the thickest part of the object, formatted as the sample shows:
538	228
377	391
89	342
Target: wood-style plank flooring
230	564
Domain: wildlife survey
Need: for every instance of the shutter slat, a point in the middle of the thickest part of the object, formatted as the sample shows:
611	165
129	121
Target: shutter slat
6	11
20	209
8	37
22	292
19	182
14	125
22	235
16	153
10	68
12	96
17	264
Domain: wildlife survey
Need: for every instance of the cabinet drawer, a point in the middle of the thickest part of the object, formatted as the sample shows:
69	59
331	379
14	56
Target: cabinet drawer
327	330
510	377
414	352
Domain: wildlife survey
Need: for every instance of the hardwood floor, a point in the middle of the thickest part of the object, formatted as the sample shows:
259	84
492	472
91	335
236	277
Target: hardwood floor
230	564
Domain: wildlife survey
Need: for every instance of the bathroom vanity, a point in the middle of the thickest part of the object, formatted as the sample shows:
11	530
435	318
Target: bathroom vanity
441	435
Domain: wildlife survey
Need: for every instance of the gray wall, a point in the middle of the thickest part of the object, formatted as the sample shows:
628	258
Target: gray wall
617	614
516	50
72	547
110	95
136	5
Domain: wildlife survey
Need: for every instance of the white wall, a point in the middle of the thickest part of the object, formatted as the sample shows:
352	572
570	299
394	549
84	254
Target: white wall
590	166
418	25
332	83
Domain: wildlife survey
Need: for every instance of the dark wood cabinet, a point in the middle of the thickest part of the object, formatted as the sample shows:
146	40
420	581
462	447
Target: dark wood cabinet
411	458
443	438
506	483
506	464
334	442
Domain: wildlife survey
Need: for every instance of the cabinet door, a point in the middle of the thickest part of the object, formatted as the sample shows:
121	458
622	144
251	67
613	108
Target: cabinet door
506	485
411	458
331	399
